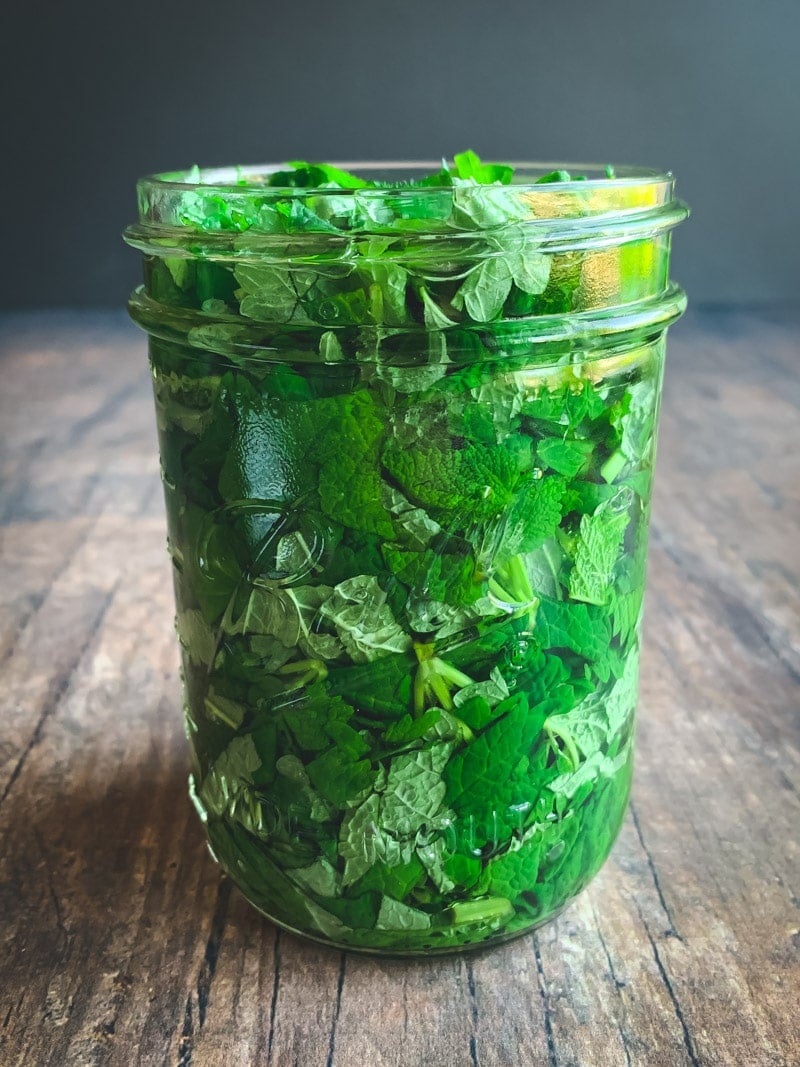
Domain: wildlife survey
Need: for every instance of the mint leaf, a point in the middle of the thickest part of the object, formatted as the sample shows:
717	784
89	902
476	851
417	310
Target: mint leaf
493	690
396	916
386	281
469	165
476	483
433	316
289	615
532	518
434	575
409	545
517	870
230	775
414	789
598	550
596	766
360	840
330	348
349	442
273	294
566	457
196	637
582	628
363	620
485	290
639	421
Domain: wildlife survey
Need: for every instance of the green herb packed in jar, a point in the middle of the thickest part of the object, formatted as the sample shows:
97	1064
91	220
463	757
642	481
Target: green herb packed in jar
407	424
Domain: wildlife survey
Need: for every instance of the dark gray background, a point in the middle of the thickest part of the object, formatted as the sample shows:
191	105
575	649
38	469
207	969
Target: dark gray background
99	93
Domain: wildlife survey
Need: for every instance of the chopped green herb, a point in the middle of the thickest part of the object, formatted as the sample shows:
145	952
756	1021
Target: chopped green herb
409	554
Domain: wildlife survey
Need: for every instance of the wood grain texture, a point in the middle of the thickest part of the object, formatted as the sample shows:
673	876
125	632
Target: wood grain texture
121	944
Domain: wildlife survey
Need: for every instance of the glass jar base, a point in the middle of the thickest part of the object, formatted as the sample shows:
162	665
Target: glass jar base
493	941
436	942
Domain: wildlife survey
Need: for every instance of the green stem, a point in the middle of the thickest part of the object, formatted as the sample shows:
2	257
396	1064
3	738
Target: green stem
480	911
451	674
439	687
434	678
572	753
420	687
308	671
501	593
520	582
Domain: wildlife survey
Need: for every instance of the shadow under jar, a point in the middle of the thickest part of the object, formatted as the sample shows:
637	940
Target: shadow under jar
407	439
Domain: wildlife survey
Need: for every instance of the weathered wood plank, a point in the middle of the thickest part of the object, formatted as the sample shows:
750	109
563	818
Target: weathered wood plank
121	943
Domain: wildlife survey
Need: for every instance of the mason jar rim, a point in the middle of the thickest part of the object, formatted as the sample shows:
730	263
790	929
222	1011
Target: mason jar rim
589	210
468	223
236	179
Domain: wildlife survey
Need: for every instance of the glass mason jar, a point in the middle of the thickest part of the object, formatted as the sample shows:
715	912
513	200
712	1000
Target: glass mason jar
407	440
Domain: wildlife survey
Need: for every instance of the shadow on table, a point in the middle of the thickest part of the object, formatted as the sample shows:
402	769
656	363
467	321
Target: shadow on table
121	865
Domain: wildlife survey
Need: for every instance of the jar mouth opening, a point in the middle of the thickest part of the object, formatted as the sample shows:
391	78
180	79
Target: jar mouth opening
398	175
226	201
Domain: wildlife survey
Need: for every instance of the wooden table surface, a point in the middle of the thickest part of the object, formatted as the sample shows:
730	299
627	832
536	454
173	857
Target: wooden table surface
120	943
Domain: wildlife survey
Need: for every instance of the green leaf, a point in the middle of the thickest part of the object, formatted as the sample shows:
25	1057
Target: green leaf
532	518
386	281
230	776
626	613
433	316
416	526
543	567
381	688
196	636
272	294
181	270
396	916
567	457
363	621
316	718
620	703
312	175
408	729
598	549
530	268
638	424
414	789
394	881
469	165
436	576
330	348
340	776
360	840
185	402
290	615
349	438
583	628
485	289
553	176
319	877
488	779
531	271
493	690
596	766
517	870
298	217
470	484
481	206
